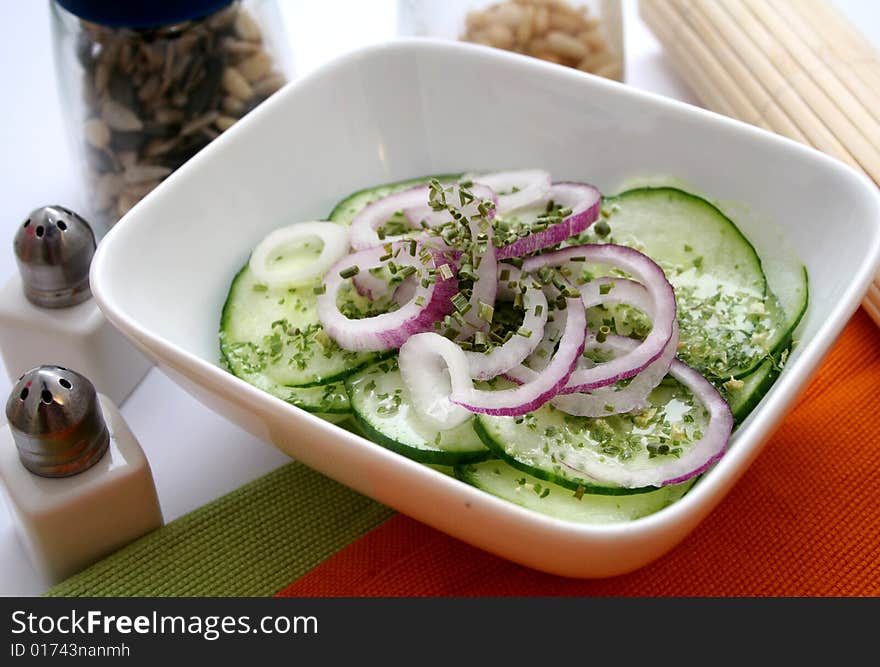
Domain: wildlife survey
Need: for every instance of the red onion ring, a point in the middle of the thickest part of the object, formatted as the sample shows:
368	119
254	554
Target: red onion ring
584	201
696	460
532	186
424	213
485	287
484	366
388	330
607	401
663	304
425	360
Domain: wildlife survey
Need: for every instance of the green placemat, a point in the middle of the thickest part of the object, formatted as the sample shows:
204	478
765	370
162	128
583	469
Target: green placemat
250	542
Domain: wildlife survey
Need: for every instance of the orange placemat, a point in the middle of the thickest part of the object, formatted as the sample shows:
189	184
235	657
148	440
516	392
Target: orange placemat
803	521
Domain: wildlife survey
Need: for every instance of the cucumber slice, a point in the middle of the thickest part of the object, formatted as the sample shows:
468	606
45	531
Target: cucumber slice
729	320
275	333
547	443
744	398
345	211
381	405
329	400
505	481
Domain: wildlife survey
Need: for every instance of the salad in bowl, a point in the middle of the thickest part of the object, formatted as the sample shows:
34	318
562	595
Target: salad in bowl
584	356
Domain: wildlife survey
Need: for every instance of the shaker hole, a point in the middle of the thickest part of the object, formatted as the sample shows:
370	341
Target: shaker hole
46	395
64	382
62	225
24	393
40	231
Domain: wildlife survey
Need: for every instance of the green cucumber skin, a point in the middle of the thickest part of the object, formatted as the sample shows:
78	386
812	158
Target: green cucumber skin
227	316
345	211
430	456
559	502
675	192
498	452
395	432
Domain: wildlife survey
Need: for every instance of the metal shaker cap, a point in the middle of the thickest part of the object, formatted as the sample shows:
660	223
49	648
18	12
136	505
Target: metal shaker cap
56	422
54	249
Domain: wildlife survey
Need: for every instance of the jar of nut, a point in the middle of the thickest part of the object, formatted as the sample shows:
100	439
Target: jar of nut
146	84
586	35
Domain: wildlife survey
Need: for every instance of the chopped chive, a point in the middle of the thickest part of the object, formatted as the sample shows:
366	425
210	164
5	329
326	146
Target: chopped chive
525	333
420	300
319	289
445	271
579	258
539	309
602	334
485	312
605	288
504	276
350	272
460	302
406	271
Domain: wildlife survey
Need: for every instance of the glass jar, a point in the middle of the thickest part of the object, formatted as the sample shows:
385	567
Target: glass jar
146	84
586	35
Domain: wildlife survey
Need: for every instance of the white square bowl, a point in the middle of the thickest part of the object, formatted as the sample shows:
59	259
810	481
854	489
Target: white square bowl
416	107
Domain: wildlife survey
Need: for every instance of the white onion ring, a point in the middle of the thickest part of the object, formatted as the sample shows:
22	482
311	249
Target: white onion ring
673	470
663	304
484	366
436	372
584	200
388	330
334	239
533	186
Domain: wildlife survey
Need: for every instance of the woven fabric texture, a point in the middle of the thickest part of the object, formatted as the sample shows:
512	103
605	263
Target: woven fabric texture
803	521
250	542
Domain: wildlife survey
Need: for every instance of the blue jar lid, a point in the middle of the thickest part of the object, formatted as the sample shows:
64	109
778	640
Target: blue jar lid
141	13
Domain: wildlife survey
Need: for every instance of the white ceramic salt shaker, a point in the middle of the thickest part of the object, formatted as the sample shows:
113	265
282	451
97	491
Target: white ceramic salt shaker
77	482
47	313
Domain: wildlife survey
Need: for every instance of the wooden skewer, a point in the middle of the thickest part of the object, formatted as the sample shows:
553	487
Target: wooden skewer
735	77
744	34
832	103
682	49
844	41
829	55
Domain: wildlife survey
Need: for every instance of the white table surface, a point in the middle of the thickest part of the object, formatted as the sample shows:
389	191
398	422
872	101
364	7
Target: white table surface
195	454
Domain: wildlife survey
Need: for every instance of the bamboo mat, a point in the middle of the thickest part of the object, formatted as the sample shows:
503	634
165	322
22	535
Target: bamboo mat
798	68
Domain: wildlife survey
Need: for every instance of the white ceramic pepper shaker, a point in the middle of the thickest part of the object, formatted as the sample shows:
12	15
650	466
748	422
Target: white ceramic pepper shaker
47	313
76	479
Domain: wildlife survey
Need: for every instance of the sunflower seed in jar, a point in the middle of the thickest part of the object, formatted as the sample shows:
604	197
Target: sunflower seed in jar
152	98
255	67
97	133
236	85
247	28
223	123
